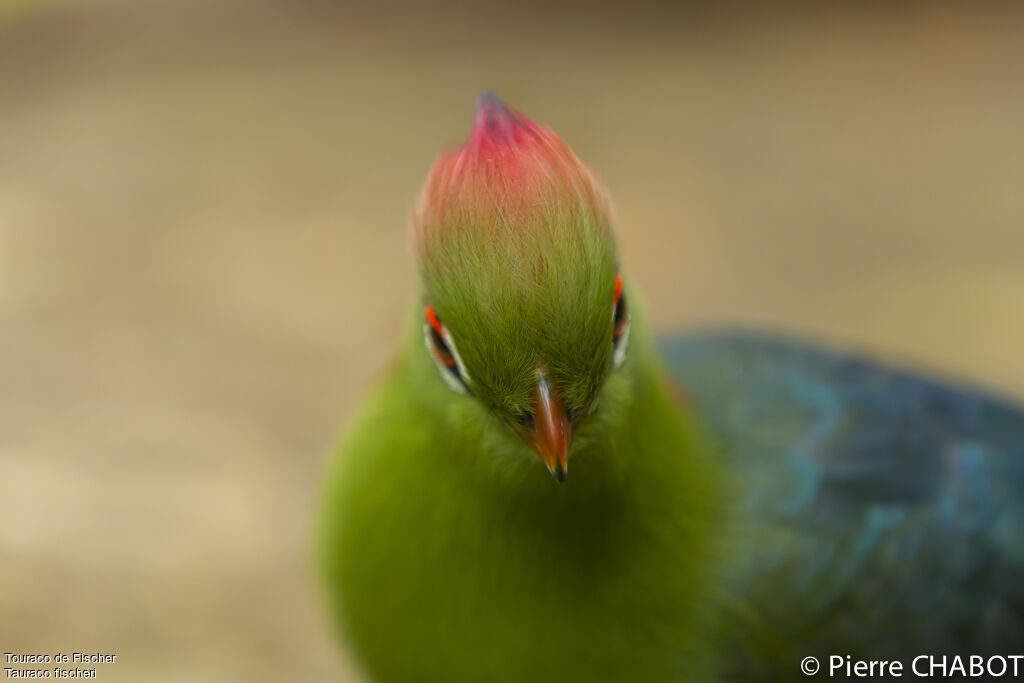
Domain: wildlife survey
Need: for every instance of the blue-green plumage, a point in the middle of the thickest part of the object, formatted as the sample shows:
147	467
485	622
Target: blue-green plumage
884	511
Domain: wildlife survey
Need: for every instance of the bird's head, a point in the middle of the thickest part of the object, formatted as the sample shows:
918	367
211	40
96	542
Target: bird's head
523	302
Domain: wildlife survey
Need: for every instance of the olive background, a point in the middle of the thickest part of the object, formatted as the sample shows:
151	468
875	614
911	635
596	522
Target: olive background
205	261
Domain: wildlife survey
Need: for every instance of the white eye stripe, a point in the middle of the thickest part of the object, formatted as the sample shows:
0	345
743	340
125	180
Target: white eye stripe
447	336
457	378
619	346
620	326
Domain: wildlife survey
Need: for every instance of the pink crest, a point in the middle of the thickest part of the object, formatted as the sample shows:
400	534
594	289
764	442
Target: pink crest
508	172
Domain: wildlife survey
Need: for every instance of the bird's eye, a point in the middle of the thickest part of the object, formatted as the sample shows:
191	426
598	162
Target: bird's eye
446	357
620	325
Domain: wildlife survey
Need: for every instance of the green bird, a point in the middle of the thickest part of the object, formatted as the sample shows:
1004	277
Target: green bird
720	514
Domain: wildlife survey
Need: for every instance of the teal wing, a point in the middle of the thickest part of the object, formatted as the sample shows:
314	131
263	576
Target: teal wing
883	511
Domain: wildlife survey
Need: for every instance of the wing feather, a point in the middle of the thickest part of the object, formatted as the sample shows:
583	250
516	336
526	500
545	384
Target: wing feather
884	510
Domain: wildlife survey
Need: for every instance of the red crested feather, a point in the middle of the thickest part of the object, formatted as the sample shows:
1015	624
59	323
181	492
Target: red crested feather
509	168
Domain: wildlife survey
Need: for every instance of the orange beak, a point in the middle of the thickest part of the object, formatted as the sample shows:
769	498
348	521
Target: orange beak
551	434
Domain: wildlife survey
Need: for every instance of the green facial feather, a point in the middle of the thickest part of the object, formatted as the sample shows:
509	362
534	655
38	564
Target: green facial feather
542	297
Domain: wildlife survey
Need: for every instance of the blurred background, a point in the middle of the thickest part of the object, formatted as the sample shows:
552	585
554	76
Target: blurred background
204	259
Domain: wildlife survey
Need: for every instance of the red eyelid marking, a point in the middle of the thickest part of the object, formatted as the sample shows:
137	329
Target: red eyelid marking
434	322
618	288
446	359
441	355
